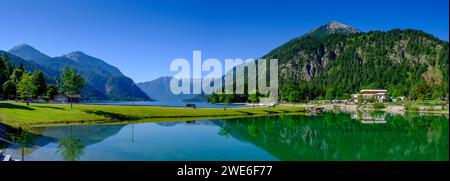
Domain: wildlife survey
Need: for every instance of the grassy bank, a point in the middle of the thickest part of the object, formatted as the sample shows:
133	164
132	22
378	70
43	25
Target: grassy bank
21	115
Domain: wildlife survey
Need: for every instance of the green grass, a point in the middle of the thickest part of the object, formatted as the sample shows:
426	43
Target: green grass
428	102
378	105
21	115
411	107
427	105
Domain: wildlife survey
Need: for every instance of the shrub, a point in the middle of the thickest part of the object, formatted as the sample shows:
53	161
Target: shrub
410	107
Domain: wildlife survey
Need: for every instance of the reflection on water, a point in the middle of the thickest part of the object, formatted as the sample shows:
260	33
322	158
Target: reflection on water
327	136
70	148
370	117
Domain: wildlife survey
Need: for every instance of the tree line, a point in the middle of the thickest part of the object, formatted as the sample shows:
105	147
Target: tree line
18	84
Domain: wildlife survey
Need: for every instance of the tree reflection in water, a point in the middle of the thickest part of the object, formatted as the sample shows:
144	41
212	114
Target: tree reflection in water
24	139
70	148
335	136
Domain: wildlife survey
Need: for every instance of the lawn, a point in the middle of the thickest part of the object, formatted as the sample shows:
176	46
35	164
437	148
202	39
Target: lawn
21	115
427	103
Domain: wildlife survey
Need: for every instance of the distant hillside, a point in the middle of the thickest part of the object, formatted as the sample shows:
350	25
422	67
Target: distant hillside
31	66
104	81
27	52
159	89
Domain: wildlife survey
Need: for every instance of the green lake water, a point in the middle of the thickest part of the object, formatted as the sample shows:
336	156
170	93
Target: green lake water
327	136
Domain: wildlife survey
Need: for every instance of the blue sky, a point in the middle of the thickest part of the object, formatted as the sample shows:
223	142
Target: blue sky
141	38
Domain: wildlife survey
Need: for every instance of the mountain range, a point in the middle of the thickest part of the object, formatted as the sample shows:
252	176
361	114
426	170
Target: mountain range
103	81
330	61
335	60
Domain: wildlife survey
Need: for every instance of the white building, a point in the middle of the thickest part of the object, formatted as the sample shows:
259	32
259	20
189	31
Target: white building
380	95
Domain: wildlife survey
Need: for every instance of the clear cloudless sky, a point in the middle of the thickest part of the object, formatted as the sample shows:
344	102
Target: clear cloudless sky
141	38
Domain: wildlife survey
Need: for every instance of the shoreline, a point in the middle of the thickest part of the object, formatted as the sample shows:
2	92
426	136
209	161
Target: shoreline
396	109
147	120
233	105
19	115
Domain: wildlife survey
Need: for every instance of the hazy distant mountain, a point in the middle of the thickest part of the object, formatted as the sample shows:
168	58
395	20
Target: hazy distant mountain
104	81
159	89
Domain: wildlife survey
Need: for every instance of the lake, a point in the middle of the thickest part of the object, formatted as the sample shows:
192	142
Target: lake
169	104
327	136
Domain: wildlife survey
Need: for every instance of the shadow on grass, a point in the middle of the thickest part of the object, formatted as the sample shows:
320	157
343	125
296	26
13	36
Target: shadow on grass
50	107
248	113
15	106
271	112
286	111
113	116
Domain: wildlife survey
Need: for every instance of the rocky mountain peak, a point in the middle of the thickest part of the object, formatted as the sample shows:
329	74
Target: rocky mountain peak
330	28
335	25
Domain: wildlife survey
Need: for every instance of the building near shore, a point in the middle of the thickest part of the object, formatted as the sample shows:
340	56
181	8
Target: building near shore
67	98
379	95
